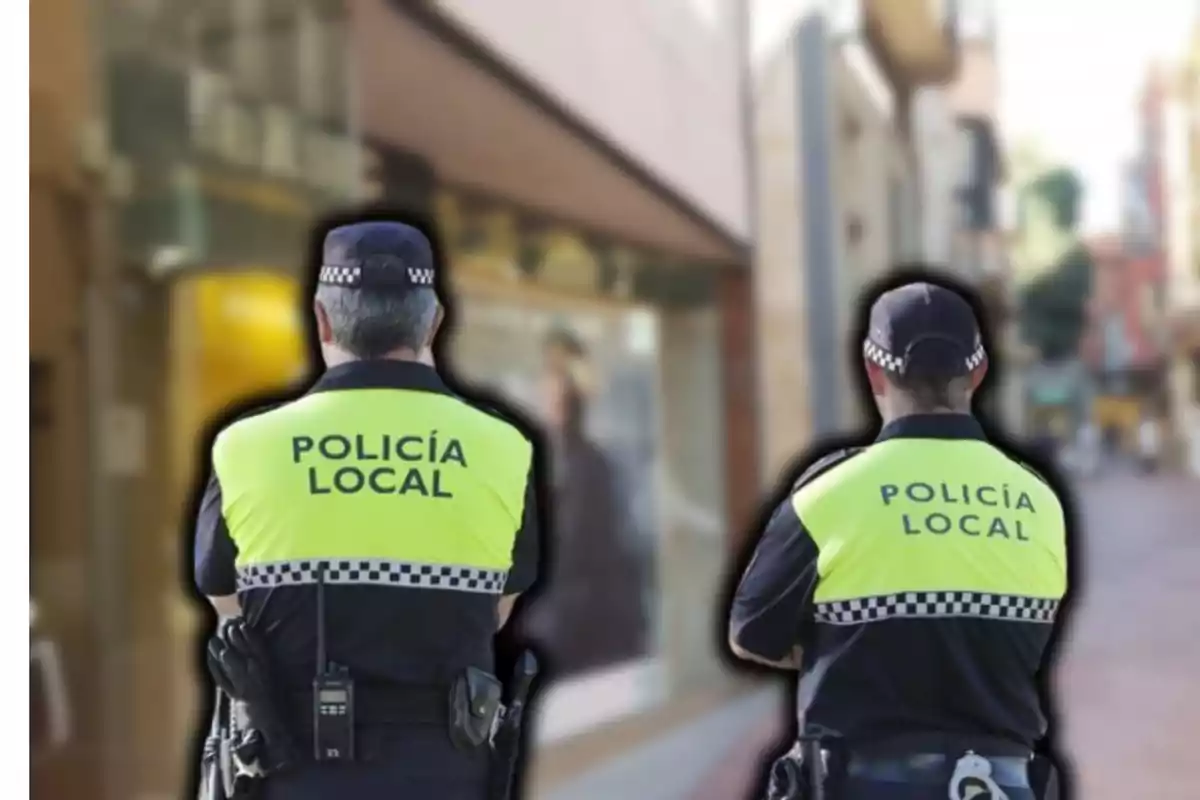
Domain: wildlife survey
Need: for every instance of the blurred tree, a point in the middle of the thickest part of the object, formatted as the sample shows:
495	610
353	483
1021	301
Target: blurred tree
1061	190
1052	305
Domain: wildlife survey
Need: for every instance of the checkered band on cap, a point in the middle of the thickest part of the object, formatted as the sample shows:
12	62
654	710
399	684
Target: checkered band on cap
882	357
376	572
892	363
340	276
937	605
976	358
383	276
420	276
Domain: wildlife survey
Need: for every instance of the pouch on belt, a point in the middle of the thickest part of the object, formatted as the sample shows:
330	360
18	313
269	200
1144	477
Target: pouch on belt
475	698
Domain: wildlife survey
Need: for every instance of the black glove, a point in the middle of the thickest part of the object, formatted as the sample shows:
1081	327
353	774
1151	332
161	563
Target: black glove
241	666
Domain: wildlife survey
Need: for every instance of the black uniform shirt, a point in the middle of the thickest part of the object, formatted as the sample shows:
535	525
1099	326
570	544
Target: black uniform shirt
878	681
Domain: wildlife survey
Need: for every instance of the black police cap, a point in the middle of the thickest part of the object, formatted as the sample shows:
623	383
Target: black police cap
924	330
376	255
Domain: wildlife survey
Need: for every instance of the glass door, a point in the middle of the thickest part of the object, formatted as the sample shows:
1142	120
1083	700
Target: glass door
588	374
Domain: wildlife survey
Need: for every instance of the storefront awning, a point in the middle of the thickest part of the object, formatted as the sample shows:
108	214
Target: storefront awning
428	88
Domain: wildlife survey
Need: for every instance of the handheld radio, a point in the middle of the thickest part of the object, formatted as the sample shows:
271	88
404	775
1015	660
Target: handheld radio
333	696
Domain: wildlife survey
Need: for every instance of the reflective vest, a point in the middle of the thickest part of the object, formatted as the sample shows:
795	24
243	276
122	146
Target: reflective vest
926	527
374	486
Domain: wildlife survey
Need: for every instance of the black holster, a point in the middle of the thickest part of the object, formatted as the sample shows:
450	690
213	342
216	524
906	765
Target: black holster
475	698
812	770
1043	777
240	666
228	760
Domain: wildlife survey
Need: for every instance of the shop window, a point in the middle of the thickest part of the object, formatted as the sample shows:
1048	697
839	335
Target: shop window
280	42
322	56
159	26
212	34
248	19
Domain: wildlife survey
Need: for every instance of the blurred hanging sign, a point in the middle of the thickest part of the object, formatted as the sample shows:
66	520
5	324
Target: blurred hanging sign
568	264
485	240
480	240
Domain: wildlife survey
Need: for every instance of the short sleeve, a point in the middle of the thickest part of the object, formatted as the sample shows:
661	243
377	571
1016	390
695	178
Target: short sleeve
526	555
773	602
215	554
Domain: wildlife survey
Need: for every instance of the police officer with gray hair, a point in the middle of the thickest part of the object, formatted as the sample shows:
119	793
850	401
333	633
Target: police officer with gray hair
913	584
364	543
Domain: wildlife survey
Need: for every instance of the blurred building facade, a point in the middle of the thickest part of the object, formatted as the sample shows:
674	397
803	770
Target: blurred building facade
1125	345
1181	183
68	650
593	189
833	119
1120	346
979	241
224	130
612	204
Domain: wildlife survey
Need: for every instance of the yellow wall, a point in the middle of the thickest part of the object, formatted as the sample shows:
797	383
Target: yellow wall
233	335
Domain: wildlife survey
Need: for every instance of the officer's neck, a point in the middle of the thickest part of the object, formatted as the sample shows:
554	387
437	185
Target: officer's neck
335	356
899	408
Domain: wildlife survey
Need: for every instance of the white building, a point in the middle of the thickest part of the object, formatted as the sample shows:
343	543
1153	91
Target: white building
837	198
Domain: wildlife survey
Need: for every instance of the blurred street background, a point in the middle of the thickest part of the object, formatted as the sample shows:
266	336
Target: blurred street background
667	206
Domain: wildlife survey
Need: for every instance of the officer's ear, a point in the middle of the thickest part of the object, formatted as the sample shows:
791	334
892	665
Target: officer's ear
978	374
877	378
437	324
324	329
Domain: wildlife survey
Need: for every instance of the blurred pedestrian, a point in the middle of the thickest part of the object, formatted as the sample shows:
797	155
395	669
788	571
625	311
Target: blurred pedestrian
1088	448
1148	444
591	614
364	543
913	583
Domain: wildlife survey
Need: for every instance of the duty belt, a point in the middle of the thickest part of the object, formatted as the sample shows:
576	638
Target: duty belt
908	743
387	704
938	768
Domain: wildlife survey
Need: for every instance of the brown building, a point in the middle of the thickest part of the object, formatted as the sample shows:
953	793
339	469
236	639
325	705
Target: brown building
68	657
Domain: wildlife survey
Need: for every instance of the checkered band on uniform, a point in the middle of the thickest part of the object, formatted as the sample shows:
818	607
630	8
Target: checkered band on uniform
937	605
374	572
340	276
892	363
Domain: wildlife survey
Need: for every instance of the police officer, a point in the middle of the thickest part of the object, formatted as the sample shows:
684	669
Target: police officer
912	583
374	534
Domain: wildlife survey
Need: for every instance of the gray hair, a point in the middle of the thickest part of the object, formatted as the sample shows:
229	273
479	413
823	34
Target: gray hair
370	324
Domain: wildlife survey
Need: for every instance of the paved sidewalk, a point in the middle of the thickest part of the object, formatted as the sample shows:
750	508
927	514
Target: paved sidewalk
733	777
673	766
